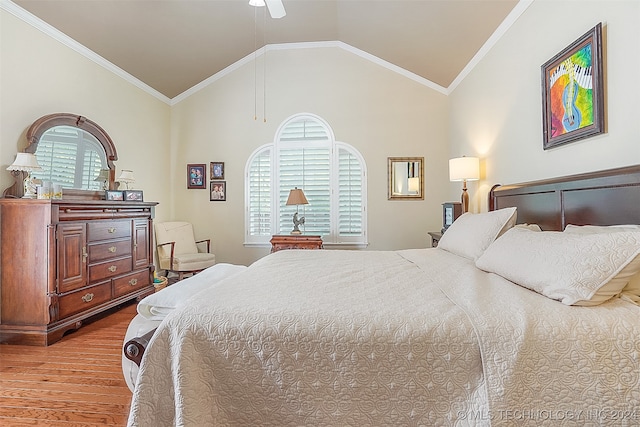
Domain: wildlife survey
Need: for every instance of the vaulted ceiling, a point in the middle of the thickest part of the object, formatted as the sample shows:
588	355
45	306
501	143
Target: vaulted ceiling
172	45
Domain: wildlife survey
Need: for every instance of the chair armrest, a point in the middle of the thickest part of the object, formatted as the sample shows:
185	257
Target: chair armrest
135	347
208	244
173	246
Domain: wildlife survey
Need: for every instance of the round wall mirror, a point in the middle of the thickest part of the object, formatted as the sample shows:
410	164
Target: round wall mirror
73	152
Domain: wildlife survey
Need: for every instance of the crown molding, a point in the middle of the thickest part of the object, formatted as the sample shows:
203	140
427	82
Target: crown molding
49	30
306	45
491	41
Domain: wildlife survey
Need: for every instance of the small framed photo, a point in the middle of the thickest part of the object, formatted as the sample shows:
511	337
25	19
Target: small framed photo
133	195
217	170
218	191
113	195
196	175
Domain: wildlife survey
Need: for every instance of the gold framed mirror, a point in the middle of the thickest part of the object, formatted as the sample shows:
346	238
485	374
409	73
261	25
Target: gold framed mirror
406	178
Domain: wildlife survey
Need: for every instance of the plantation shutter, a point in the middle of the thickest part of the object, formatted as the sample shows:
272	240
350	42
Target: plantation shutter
308	169
78	159
260	194
350	209
331	175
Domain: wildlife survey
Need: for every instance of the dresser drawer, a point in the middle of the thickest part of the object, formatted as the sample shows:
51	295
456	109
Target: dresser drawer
111	268
131	282
108	250
84	299
107	230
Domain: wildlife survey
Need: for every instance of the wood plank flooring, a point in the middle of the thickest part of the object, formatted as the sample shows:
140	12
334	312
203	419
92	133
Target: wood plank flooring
75	382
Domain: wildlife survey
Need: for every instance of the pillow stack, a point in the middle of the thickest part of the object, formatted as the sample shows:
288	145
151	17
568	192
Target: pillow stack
576	268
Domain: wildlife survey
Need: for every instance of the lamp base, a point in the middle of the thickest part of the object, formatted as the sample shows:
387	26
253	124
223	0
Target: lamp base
296	232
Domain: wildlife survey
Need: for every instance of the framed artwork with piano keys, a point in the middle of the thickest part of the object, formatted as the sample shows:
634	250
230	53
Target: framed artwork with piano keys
573	93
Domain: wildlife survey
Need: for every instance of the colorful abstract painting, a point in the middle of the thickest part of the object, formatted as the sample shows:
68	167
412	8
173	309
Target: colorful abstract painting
572	92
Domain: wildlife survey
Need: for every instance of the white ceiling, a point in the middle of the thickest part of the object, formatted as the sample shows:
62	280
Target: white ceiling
172	45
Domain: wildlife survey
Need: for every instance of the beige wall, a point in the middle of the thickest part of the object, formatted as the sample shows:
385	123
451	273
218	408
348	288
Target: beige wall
496	111
377	111
39	76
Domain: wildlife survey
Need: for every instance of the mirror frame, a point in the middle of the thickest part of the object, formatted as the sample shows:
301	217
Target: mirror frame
391	178
43	124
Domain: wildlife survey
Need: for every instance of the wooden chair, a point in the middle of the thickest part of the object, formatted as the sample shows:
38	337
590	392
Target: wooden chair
178	250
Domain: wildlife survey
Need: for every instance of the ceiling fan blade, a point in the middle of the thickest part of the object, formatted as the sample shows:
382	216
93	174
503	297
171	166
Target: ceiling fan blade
276	8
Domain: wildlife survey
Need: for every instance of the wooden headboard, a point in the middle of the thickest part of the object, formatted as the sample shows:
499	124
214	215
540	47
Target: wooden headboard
609	197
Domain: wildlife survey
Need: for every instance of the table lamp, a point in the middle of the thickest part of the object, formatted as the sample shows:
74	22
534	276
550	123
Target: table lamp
103	177
464	169
126	177
296	197
25	163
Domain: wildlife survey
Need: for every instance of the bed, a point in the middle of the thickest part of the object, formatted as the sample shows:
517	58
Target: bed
438	336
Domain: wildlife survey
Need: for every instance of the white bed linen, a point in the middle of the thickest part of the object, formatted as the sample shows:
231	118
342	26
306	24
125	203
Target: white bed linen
417	337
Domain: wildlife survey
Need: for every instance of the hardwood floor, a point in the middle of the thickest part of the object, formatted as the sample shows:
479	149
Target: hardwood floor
56	386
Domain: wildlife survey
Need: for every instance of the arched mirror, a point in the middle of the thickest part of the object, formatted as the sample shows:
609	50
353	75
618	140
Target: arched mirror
73	152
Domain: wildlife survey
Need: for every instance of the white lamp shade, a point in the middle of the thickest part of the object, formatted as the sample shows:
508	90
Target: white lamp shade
464	168
25	162
414	184
126	176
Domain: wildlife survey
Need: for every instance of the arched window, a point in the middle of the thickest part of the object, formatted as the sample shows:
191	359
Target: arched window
332	175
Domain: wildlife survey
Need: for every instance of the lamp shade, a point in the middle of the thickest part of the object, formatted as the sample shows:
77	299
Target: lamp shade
296	197
126	176
464	168
103	175
25	162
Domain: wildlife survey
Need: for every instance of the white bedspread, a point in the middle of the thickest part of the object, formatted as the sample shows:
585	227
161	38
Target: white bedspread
418	337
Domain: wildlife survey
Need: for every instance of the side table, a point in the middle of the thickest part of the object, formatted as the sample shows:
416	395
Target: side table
435	238
295	241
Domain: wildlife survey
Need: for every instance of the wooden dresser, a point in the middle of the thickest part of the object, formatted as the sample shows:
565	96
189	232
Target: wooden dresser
295	241
63	261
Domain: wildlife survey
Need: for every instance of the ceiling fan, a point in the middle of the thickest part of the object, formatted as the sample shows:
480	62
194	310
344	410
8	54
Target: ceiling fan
276	8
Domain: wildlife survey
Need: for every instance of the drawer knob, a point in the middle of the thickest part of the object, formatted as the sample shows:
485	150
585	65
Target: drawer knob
112	249
111	230
133	282
112	269
87	297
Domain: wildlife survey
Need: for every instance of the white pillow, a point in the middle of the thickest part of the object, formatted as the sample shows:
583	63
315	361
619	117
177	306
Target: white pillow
599	229
471	234
631	291
532	227
576	269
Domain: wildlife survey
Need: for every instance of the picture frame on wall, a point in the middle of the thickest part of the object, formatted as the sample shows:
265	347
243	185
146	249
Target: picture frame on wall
196	175
218	191
217	170
573	92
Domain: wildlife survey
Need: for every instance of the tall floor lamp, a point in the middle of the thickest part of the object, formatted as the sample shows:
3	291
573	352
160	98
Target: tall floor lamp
464	169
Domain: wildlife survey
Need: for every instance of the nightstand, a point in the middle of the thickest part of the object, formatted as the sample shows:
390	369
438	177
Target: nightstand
435	238
295	241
